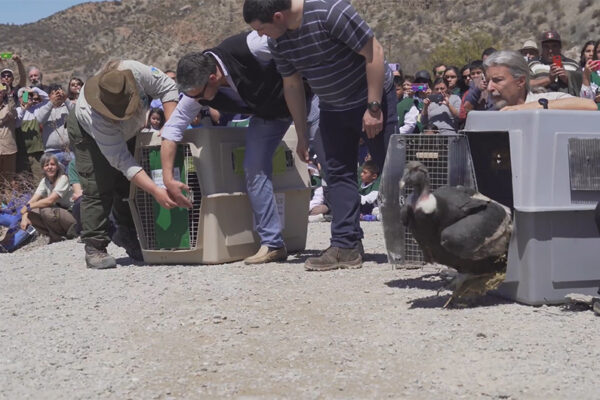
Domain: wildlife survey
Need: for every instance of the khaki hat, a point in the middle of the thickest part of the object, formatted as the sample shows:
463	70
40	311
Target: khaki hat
113	94
529	45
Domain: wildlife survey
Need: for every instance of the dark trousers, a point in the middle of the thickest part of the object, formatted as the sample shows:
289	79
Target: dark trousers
105	188
340	132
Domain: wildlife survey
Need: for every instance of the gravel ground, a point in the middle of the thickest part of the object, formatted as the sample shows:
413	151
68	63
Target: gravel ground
276	331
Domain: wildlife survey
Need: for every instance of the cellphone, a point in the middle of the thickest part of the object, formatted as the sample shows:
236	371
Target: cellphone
25	97
419	87
6	55
436	97
557	60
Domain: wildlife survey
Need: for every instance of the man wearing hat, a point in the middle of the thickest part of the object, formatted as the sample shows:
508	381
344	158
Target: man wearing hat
556	75
7	78
530	51
102	127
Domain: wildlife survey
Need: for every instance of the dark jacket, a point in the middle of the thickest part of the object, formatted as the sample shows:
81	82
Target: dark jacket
261	87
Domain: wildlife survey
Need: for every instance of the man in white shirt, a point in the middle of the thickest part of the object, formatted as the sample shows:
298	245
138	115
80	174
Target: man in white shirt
508	83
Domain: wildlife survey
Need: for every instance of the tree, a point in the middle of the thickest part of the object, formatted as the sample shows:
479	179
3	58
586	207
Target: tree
460	48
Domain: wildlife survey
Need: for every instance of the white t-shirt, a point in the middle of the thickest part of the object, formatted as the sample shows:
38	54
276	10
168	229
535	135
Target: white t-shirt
534	97
62	187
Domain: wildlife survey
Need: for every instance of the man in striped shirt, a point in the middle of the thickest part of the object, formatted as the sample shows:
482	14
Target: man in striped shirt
327	43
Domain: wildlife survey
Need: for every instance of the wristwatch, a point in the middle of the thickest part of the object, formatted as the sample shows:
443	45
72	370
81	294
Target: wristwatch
374	106
544	103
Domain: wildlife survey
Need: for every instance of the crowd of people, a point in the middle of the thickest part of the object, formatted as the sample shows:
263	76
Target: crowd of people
77	143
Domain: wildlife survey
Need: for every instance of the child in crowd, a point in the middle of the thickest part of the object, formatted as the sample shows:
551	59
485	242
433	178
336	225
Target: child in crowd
368	190
156	120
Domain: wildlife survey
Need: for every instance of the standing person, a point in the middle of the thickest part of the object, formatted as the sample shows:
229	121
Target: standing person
35	78
8	143
109	113
237	76
7	78
52	116
348	72
75	85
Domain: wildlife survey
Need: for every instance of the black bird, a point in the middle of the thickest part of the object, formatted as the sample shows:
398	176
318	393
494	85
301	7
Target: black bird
458	227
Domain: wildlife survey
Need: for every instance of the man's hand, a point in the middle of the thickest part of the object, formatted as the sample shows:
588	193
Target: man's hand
372	123
174	191
558	73
302	148
163	198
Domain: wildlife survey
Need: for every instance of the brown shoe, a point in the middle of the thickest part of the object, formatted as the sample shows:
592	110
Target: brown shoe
266	254
335	258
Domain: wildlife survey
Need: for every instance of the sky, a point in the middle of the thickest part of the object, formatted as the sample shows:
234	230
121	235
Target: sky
26	11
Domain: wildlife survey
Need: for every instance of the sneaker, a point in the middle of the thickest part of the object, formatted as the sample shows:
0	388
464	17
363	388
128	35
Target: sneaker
335	258
267	254
98	259
127	239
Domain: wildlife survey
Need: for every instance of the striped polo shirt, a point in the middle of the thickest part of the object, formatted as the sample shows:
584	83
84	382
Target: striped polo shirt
324	49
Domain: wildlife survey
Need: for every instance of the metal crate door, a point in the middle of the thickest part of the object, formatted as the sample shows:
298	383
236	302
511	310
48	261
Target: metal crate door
448	160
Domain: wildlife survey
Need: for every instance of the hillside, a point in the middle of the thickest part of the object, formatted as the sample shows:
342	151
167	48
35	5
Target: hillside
79	40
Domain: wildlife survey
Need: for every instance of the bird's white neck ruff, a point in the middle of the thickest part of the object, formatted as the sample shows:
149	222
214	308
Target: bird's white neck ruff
427	204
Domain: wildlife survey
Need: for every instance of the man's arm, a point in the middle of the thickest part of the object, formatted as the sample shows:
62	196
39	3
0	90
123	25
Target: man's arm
374	63
295	98
21	68
567	103
179	119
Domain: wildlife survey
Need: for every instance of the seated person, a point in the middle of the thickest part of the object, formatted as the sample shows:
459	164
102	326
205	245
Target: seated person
553	71
368	188
318	204
48	209
430	129
508	75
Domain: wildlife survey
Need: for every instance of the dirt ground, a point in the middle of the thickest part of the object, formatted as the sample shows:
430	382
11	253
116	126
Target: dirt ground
276	331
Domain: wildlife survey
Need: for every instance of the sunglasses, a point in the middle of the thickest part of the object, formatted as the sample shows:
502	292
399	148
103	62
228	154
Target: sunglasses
199	95
5	75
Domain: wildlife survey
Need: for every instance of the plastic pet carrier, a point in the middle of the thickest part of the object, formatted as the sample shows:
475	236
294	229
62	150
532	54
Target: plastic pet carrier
220	225
448	162
545	164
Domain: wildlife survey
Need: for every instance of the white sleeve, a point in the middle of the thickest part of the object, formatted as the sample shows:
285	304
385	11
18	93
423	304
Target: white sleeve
43	113
317	199
410	121
586	92
370	198
113	146
184	113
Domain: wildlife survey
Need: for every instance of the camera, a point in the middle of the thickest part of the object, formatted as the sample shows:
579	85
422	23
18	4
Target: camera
419	87
436	97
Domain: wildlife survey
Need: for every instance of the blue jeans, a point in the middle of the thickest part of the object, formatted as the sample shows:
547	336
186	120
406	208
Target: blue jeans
262	138
341	131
